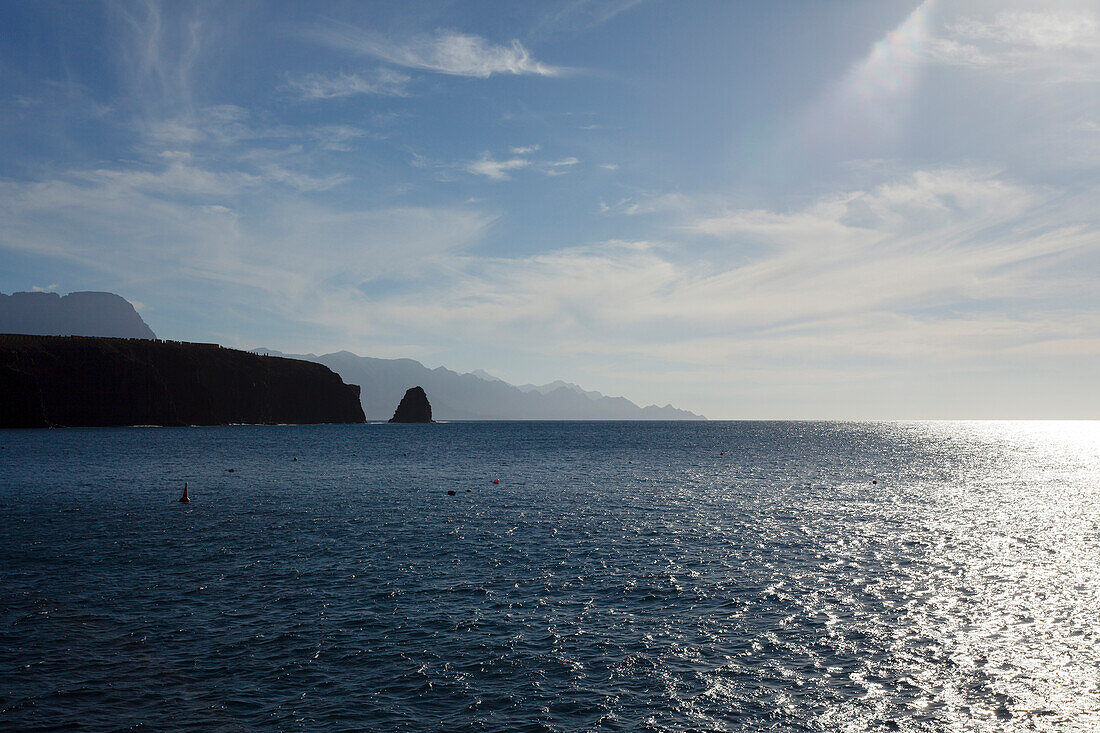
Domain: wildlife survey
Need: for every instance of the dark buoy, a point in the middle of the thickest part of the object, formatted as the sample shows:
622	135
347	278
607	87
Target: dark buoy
722	453
450	493
874	481
295	458
405	454
468	490
229	470
496	481
185	499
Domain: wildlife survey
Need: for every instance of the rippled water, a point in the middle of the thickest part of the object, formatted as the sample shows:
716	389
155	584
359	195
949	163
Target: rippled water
622	576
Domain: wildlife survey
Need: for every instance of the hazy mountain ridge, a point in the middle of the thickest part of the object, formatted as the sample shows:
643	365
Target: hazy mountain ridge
478	395
559	384
86	313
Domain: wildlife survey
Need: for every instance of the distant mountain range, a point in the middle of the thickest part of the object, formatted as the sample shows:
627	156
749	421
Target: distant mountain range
75	314
478	395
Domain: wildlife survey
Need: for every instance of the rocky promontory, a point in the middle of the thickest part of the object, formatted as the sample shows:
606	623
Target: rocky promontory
51	381
414	407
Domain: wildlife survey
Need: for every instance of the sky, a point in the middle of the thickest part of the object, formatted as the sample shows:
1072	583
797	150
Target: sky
868	209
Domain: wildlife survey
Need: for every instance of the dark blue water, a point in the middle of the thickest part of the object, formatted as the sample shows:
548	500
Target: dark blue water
622	576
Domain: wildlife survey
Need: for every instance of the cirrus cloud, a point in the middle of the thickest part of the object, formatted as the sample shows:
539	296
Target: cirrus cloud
445	52
382	81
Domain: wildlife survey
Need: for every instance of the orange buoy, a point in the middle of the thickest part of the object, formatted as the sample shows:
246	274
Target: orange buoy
496	481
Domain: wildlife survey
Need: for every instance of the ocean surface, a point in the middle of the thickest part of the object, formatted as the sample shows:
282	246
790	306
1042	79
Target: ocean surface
716	576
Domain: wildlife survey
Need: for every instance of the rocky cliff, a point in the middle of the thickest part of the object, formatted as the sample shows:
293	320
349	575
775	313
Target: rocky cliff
75	314
77	381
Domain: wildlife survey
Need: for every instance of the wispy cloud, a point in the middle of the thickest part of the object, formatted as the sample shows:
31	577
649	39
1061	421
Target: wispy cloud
581	15
1037	29
497	170
162	51
919	202
221	124
501	169
559	167
302	181
382	81
338	137
647	203
445	52
1064	45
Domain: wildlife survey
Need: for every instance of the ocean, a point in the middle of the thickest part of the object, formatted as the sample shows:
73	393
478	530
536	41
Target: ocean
706	576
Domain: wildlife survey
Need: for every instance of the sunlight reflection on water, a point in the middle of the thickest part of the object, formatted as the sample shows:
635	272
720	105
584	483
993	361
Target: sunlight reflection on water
712	576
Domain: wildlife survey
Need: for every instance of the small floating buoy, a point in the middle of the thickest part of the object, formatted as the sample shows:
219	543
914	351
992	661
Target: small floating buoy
468	490
405	454
874	481
450	493
496	481
722	453
229	470
294	458
185	499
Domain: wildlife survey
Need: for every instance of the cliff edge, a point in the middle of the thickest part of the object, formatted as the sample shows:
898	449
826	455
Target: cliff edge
52	381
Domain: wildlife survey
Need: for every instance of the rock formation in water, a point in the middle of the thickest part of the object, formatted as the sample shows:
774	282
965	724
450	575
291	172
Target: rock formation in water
75	314
52	381
414	407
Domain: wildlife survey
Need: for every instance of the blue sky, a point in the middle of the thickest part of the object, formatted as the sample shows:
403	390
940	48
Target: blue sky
860	209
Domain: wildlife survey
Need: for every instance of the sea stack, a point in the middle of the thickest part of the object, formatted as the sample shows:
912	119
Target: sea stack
414	407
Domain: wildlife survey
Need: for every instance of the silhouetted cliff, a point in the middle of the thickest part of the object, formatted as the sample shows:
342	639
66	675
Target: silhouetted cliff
414	407
75	314
77	381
